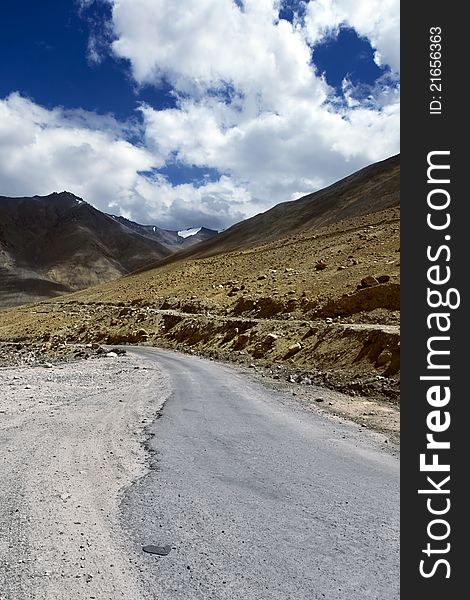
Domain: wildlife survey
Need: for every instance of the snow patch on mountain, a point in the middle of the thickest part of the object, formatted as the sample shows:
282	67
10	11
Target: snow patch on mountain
184	233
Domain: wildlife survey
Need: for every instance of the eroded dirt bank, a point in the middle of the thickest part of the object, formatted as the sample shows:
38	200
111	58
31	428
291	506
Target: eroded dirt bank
352	357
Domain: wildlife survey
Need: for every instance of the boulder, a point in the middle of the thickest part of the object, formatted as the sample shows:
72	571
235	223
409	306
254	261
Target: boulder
369	281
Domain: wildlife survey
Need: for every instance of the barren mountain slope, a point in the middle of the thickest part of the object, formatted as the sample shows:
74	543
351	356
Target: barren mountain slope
58	243
321	303
369	190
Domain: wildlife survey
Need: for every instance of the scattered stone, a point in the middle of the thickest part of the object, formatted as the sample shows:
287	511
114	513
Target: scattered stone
159	550
369	281
118	351
88	577
320	265
384	357
294	349
142	335
271	338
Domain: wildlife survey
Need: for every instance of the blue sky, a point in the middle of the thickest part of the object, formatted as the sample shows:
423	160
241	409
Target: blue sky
196	112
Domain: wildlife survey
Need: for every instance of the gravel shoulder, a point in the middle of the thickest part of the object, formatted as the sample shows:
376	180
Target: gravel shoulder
71	443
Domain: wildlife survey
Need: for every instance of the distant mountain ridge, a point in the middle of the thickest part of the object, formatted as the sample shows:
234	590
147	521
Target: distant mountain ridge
54	244
371	189
166	237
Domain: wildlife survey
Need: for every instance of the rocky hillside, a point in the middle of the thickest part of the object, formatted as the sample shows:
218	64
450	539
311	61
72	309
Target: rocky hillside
372	189
318	304
50	245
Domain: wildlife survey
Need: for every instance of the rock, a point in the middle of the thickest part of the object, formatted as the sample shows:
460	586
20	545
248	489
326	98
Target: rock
383	278
369	281
159	550
384	357
328	320
111	355
320	265
271	338
261	277
141	335
318	399
293	349
116	351
48	365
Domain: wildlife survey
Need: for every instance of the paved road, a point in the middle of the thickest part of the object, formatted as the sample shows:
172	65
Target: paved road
260	498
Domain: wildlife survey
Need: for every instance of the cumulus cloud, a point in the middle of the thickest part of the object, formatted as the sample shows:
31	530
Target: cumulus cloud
53	150
376	20
249	104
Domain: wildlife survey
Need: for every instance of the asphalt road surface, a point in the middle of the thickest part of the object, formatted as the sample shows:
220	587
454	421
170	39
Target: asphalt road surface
259	497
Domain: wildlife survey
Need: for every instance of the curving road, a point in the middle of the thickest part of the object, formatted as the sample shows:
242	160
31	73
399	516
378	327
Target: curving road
260	498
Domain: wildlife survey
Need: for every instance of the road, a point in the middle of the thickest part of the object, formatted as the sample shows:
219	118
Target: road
260	497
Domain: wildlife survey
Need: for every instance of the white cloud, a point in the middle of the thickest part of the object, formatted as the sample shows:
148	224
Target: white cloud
249	104
44	150
53	150
376	20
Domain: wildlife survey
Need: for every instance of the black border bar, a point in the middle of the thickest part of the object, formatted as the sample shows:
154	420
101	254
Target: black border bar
435	350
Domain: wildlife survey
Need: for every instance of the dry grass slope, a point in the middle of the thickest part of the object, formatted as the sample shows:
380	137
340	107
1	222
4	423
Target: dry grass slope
310	288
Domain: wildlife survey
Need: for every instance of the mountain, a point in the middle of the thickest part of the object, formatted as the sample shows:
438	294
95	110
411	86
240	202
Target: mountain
174	240
372	189
50	245
311	285
300	256
58	243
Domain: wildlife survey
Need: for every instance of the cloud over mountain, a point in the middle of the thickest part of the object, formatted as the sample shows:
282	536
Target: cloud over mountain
249	108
